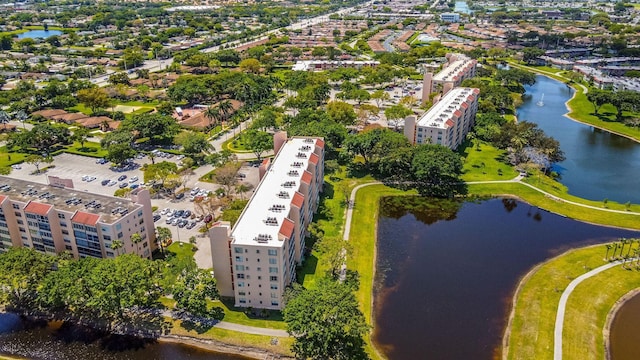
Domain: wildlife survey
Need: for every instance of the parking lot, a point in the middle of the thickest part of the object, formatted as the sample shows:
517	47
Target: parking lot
75	167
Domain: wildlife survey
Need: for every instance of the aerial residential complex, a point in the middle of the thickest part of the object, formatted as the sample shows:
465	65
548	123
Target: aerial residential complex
447	122
53	219
256	259
322	65
458	68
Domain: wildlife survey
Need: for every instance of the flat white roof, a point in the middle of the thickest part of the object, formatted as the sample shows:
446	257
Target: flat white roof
277	188
438	115
448	73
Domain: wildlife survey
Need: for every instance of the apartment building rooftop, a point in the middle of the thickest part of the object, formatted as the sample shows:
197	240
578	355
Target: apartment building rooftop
440	115
41	197
307	65
453	71
264	219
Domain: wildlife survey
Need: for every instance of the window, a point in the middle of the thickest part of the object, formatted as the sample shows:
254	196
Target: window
120	235
273	261
242	301
241	293
239	267
274	296
60	216
259	277
273	252
241	284
240	276
15	206
238	259
18	214
273	270
259	269
273	278
274	303
237	250
274	287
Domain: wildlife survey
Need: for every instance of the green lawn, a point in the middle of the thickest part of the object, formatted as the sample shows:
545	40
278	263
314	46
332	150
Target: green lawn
236	338
91	149
483	162
536	304
573	211
10	158
236	144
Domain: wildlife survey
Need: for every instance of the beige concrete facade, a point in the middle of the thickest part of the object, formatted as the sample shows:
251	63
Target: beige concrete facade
447	122
457	69
52	220
256	259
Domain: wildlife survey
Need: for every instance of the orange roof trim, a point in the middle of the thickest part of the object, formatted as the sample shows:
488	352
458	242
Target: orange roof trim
306	177
298	200
314	158
37	208
85	218
287	228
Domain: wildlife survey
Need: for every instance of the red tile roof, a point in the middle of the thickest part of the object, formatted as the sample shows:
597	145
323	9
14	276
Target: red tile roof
457	113
266	161
37	208
287	228
2	197
320	143
464	105
450	123
306	177
298	200
314	158
85	218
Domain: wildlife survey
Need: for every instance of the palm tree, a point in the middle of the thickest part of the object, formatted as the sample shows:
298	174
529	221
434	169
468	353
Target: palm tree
606	256
631	241
226	108
152	157
116	245
22	116
623	242
241	189
164	234
213	114
136	239
4	119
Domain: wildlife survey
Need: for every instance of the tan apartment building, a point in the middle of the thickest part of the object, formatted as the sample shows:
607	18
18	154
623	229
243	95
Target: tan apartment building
447	122
256	259
52	219
457	68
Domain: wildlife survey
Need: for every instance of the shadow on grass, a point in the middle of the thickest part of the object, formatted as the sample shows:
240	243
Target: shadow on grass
308	268
252	313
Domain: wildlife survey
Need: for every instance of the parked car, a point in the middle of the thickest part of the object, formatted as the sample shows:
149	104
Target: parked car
179	213
191	224
175	221
134	186
208	218
169	220
186	214
180	196
133	179
16	167
123	185
112	183
156	218
122	177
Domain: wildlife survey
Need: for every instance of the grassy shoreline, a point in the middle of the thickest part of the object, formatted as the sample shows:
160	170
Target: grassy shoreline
529	334
579	107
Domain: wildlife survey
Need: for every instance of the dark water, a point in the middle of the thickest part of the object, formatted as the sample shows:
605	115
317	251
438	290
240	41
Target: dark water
599	165
447	271
37	341
625	331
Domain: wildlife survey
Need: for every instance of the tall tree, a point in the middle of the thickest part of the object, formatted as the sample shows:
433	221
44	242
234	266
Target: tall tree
258	142
326	322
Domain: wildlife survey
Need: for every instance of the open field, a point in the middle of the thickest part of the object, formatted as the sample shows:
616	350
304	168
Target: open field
483	162
533	322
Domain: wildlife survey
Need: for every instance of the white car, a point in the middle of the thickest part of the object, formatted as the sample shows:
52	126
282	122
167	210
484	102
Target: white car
16	167
133	179
165	211
112	183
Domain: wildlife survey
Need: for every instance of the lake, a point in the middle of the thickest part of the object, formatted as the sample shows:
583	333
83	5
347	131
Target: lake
625	331
36	340
446	271
599	165
34	34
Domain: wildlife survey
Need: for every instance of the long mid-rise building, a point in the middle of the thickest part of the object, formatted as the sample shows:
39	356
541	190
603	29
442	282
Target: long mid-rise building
447	122
52	219
457	69
256	259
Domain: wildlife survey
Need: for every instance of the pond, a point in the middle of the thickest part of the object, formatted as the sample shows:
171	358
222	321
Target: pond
446	271
625	331
599	165
43	34
56	341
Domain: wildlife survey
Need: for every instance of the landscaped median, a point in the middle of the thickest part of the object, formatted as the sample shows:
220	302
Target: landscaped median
531	326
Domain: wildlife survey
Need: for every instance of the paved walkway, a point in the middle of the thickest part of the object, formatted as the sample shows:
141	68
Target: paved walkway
238	327
557	332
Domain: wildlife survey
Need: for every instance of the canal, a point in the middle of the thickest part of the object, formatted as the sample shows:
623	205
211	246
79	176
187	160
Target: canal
57	341
599	165
446	271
